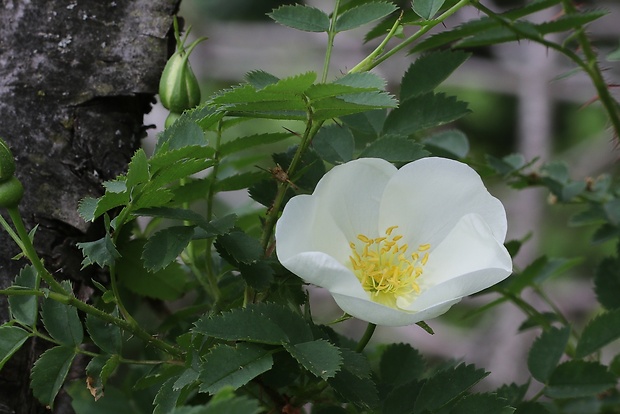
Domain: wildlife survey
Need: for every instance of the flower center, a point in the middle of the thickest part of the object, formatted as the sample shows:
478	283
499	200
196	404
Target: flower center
386	269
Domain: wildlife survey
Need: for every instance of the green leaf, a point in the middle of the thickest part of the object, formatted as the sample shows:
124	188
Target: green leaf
99	369
401	364
334	144
607	282
259	79
394	149
62	322
105	335
369	122
427	9
241	247
257	275
363	14
138	170
308	19
24	308
11	339
449	144
546	352
103	252
614	56
166	399
531	407
233	366
512	393
500	34
353	382
507	164
265	323
183	133
239	181
90	208
570	22
224	402
539	320
163	247
480	404
574	379
49	373
423	112
402	398
429	71
247	142
599	332
319	357
165	284
447	385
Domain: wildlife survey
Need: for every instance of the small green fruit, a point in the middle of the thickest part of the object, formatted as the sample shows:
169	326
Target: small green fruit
11	192
178	87
7	162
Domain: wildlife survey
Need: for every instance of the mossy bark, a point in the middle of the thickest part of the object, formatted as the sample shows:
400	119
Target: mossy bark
76	77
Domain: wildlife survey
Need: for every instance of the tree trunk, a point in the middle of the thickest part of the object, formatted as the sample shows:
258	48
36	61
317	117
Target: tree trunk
76	77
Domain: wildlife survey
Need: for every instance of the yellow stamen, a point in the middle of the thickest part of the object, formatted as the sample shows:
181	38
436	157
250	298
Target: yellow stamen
384	269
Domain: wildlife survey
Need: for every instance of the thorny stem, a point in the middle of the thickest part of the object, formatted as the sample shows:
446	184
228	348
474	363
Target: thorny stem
589	66
71	300
375	58
331	34
370	329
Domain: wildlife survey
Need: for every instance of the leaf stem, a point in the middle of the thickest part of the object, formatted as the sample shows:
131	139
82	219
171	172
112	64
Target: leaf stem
331	34
370	329
86	308
375	58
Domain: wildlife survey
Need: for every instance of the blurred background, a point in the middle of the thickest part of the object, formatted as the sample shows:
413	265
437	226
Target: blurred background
524	99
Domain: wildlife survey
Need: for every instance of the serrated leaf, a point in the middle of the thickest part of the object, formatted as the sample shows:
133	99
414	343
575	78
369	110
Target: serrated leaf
11	339
165	284
138	170
363	14
24	308
480	404
369	122
251	141
266	323
574	379
449	144
447	385
163	247
334	143
183	133
542	319
394	149
241	247
257	275
607	283
512	393
239	181
49	373
429	71
570	21
359	390
401	399
423	112
308	19
90	208
319	357
87	207
259	79
169	159
546	352
166	398
94	383
460	32
401	364
102	251
500	34
227	366
62	322
599	332
426	9
105	335
531	407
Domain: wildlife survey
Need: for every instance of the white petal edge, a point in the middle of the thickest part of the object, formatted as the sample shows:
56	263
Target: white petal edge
468	260
427	197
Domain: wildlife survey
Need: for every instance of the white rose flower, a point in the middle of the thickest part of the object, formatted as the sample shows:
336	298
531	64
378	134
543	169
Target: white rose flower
396	246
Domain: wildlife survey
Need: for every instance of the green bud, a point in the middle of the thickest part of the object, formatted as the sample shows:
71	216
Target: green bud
11	192
178	86
172	116
7	162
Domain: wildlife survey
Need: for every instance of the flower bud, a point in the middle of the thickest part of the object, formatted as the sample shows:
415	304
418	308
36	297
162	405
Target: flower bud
7	163
11	192
172	116
178	86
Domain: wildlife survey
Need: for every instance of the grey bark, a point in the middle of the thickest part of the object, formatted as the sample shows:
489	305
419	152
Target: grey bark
76	77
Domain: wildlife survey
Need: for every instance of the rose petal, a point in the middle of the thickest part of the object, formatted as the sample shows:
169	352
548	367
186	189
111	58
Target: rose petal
351	193
467	261
427	197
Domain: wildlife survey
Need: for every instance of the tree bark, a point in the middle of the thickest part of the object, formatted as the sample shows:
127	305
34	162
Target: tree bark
76	77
